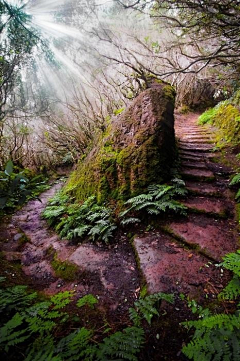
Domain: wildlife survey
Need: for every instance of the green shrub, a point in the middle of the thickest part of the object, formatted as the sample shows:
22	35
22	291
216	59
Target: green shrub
217	336
207	116
34	330
17	188
159	199
72	220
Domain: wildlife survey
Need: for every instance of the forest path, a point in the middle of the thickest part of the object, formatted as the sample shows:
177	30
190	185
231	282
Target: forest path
110	272
180	256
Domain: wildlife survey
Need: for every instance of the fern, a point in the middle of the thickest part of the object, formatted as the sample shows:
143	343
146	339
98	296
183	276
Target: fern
62	299
232	262
235	180
11	335
145	307
232	290
88	300
86	220
15	298
217	337
121	345
159	199
75	346
130	220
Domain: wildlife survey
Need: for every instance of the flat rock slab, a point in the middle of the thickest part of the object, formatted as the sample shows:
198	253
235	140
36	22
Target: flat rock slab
212	237
168	267
210	206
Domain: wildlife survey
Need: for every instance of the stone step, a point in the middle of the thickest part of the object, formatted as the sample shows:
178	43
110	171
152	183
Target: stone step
196	164
197	174
168	267
202	188
195	147
201	204
191	158
211	237
192	153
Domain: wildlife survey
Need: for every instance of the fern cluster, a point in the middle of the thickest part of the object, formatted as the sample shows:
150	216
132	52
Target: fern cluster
217	337
159	199
33	330
73	220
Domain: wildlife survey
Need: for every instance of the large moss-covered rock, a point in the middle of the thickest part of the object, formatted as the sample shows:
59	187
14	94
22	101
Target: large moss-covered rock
137	149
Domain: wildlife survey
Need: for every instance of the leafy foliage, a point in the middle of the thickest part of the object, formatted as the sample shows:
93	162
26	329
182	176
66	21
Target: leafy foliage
236	181
159	199
74	220
145	307
16	188
39	329
89	300
217	337
207	116
121	345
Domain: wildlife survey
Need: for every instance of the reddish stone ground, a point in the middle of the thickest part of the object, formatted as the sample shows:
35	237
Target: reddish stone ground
180	256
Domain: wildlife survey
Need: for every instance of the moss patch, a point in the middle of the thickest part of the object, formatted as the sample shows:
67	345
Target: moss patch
65	270
226	117
137	149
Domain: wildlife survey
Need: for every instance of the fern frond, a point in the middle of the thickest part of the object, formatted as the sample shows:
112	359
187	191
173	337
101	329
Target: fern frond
135	317
237	197
232	290
130	220
81	231
145	306
11	335
139	199
232	262
88	300
62	299
121	345
235	180
75	346
15	298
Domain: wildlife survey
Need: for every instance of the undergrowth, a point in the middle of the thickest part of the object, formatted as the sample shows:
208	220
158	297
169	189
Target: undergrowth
96	222
159	199
17	187
73	220
217	336
33	330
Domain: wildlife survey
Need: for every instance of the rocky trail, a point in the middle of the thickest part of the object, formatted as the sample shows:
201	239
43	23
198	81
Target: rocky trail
180	256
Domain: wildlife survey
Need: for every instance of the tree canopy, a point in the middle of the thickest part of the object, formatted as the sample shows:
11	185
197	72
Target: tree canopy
19	39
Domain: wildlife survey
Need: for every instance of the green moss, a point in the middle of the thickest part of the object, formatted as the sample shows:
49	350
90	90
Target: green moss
226	117
169	91
207	116
120	166
65	270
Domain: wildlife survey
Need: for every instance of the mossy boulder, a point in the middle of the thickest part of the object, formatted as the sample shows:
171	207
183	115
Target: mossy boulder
137	149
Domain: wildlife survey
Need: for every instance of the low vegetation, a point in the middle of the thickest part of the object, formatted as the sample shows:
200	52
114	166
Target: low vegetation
17	186
98	223
34	329
217	336
226	117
